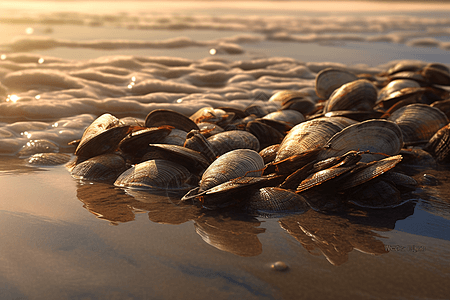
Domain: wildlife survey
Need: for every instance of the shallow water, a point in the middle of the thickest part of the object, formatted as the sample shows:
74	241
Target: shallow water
65	239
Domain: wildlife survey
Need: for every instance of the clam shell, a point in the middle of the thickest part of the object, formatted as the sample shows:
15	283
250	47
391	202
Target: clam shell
356	95
376	136
354	115
257	110
436	74
378	195
291	117
322	177
275	202
418	122
439	144
402	97
285	96
209	129
232	192
105	167
396	85
406	65
328	80
102	136
368	172
269	153
266	134
211	115
191	159
234	139
175	137
49	159
305	137
157	174
197	142
231	165
161	117
305	106
137	141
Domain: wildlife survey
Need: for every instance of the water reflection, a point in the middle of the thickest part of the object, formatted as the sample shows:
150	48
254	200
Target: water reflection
164	208
14	165
335	236
119	206
231	233
106	202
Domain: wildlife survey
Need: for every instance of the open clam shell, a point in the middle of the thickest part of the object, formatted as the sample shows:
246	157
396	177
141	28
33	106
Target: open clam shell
368	172
161	117
102	136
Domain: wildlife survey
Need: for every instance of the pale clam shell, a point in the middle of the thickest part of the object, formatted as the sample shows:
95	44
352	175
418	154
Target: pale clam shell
330	79
376	136
157	174
233	164
105	167
418	122
356	95
306	136
234	139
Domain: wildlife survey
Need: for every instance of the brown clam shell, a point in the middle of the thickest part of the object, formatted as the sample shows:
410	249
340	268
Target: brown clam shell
330	79
161	117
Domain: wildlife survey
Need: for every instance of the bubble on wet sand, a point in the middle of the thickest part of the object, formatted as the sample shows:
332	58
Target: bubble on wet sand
279	266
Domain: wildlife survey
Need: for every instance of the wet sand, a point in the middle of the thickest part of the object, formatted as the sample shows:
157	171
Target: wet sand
66	239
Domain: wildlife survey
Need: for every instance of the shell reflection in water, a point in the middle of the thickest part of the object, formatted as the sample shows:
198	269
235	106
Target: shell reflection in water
230	234
275	202
163	207
106	202
333	236
157	174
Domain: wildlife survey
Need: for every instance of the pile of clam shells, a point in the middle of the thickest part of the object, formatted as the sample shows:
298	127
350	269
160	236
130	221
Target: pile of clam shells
343	143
